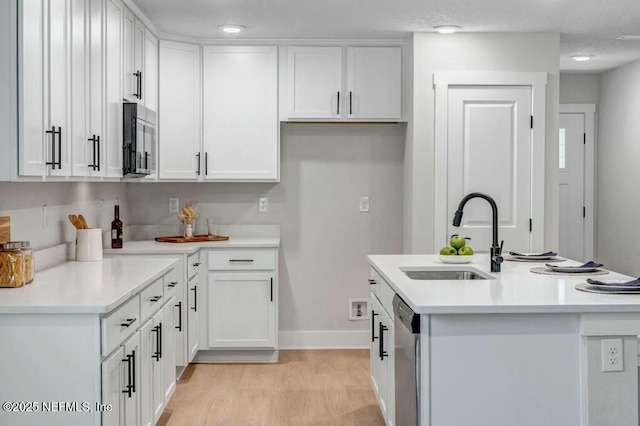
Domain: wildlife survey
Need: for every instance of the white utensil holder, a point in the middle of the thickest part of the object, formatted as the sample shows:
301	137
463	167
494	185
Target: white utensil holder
88	245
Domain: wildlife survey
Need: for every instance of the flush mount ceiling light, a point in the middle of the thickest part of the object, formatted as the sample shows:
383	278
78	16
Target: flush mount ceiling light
633	37
581	58
231	29
446	29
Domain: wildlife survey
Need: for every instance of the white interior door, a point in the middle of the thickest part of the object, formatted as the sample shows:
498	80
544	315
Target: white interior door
572	203
489	151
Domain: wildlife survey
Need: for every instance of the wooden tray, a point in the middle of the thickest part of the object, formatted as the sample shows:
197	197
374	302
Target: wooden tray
194	239
5	229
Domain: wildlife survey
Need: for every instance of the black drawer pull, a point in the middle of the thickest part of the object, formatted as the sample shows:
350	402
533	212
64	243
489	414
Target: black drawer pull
155	299
129	387
381	350
172	284
372	282
179	306
195	299
197	264
128	322
240	260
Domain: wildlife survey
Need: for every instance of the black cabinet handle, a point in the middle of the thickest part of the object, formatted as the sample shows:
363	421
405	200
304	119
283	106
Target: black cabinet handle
160	342
240	260
140	85
172	284
155	299
128	322
272	289
198	170
92	139
381	350
52	163
195	299
179	306
129	387
338	104
206	163
197	264
156	354
373	326
133	369
98	150
350	103
59	148
137	92
146	160
372	282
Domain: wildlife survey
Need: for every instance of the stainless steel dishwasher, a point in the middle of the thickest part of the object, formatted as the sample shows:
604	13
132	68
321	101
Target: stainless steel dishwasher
407	363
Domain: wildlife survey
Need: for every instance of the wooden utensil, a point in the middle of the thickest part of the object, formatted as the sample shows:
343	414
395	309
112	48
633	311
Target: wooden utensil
83	222
5	229
75	221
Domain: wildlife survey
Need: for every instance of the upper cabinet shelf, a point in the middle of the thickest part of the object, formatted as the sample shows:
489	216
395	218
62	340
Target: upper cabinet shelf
342	84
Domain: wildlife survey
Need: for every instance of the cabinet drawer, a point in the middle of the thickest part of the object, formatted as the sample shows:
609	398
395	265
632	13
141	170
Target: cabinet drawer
385	294
374	281
242	260
120	324
171	283
193	261
151	299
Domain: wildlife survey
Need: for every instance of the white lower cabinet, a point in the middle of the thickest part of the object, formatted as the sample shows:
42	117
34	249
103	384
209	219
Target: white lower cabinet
147	342
382	373
157	389
192	318
241	310
168	350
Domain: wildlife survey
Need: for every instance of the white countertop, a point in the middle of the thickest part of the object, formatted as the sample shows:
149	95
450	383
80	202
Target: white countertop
83	287
515	289
154	247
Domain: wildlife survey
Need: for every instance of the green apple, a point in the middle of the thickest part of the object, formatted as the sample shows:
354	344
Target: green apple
448	251
465	251
457	241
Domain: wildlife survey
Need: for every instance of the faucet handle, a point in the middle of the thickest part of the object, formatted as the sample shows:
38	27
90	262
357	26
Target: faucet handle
500	250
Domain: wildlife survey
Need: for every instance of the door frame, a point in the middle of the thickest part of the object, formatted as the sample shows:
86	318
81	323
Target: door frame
442	82
589	111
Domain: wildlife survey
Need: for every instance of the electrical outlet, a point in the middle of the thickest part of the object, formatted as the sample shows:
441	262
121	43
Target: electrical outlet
612	355
364	204
174	205
263	205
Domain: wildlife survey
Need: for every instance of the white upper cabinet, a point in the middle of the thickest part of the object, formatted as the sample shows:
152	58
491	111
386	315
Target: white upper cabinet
240	113
351	84
179	111
129	80
150	76
374	83
315	82
94	153
138	59
114	19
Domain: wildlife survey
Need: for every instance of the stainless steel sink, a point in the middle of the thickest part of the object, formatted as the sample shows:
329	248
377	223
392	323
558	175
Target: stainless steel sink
444	274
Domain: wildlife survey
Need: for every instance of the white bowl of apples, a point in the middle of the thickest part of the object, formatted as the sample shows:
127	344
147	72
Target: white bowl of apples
457	251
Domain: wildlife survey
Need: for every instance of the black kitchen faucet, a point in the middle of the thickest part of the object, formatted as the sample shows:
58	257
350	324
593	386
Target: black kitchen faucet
496	250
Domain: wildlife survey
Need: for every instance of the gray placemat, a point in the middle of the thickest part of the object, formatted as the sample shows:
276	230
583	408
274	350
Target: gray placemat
515	259
546	271
591	289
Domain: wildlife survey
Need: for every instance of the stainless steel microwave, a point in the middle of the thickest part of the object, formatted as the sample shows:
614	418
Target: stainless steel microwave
139	140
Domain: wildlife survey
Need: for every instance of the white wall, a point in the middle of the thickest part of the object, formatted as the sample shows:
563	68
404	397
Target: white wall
523	52
49	226
325	168
617	170
578	88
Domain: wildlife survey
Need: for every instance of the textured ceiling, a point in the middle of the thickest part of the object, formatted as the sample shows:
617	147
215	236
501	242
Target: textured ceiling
586	26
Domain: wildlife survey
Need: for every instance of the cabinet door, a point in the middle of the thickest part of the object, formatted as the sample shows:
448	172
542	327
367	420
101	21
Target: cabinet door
374	83
113	383
192	318
128	79
114	17
374	355
168	350
81	148
315	82
133	379
157	389
150	76
147	343
95	149
241	310
179	111
386	360
240	87
180	315
35	145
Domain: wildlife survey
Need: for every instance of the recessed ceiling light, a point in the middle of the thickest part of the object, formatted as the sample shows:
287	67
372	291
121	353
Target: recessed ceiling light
231	29
446	29
629	37
581	58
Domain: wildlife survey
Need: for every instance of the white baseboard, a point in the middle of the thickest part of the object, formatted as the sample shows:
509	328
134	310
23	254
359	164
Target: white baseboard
358	339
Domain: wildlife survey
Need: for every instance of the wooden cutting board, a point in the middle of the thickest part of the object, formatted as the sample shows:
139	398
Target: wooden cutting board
194	239
5	229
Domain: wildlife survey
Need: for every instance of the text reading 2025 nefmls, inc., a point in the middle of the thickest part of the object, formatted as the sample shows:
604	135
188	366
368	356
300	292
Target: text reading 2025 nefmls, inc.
54	406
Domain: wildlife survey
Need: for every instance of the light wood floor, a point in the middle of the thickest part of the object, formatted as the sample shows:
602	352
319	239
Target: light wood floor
325	387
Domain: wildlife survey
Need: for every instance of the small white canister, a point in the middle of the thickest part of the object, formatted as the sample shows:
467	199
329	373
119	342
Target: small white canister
88	245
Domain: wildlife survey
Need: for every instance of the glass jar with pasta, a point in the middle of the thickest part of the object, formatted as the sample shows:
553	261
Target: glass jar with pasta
29	262
11	265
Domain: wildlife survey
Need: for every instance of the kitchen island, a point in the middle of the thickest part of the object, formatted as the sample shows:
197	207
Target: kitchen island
517	348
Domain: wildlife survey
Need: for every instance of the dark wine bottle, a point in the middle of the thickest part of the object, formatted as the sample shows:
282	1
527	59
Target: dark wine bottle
116	229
